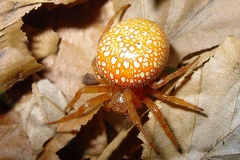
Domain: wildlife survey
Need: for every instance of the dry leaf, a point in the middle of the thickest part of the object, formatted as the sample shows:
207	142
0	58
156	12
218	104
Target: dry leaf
16	61
191	26
114	144
12	11
75	124
71	2
78	44
222	150
45	104
215	90
14	142
42	43
91	144
224	101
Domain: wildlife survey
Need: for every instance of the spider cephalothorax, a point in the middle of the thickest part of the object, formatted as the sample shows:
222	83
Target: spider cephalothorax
130	56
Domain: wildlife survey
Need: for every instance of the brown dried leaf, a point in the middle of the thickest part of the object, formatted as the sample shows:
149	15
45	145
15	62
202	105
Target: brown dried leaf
66	69
75	124
12	11
80	27
93	142
221	105
45	104
16	61
14	142
78	45
56	143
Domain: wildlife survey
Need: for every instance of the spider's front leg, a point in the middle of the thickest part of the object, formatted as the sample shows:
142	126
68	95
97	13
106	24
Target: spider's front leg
85	90
179	72
88	105
110	23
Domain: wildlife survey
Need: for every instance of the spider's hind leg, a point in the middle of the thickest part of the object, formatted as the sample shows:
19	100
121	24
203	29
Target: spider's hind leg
128	97
158	114
110	23
171	99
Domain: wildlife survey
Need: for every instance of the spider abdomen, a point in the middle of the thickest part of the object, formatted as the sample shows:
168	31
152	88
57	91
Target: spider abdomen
132	53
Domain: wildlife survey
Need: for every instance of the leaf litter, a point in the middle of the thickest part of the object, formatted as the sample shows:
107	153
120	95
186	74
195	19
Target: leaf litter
198	134
188	32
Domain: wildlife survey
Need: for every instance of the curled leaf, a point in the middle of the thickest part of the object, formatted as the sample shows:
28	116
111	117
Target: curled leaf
16	61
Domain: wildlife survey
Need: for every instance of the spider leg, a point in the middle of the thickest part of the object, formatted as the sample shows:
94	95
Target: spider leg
87	89
135	118
86	107
165	80
158	114
173	100
113	18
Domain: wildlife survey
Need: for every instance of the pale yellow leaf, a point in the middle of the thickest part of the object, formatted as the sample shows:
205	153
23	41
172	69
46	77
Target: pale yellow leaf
114	144
215	88
222	150
220	96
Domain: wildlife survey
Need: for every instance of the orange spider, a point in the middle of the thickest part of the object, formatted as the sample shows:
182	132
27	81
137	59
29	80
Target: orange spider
130	56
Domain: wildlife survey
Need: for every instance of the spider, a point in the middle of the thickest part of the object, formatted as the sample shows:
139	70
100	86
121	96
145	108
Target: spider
130	56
